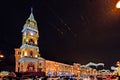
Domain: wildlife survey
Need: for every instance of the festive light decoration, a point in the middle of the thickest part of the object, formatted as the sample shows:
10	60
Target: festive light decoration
113	68
100	64
29	46
28	28
28	59
94	64
30	67
4	73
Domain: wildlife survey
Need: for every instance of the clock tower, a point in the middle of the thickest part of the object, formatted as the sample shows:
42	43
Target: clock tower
29	47
27	57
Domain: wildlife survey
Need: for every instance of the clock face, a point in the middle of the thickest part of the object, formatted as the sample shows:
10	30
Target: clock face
31	33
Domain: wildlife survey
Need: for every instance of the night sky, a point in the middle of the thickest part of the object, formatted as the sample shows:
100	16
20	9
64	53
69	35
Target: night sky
70	31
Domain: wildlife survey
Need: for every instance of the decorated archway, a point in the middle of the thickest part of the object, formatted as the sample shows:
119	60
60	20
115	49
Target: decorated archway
30	67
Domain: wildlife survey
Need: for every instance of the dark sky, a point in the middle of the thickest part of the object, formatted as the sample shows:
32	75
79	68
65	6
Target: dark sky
70	30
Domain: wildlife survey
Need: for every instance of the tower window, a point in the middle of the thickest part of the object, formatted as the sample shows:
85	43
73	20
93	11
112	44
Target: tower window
40	64
31	41
31	53
28	21
25	54
38	55
19	53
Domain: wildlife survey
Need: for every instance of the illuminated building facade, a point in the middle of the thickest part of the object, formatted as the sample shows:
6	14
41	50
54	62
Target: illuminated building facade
28	59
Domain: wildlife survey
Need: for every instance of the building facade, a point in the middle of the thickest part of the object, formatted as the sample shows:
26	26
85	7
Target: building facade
28	59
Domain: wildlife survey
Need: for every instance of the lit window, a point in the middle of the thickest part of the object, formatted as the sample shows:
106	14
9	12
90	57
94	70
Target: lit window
35	55
25	54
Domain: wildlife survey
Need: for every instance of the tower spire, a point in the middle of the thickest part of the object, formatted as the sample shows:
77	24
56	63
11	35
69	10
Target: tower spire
31	23
31	10
31	14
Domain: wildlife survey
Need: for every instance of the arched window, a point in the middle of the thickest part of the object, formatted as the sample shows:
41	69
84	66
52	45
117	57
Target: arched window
31	41
40	64
31	53
28	21
19	53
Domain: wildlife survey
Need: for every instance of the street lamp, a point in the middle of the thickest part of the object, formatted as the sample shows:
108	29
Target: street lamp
1	56
118	4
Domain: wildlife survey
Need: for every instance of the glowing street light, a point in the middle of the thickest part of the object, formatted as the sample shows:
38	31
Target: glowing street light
1	56
118	4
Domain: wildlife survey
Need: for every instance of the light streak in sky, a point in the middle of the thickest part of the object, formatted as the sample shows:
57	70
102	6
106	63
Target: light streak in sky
61	32
62	22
